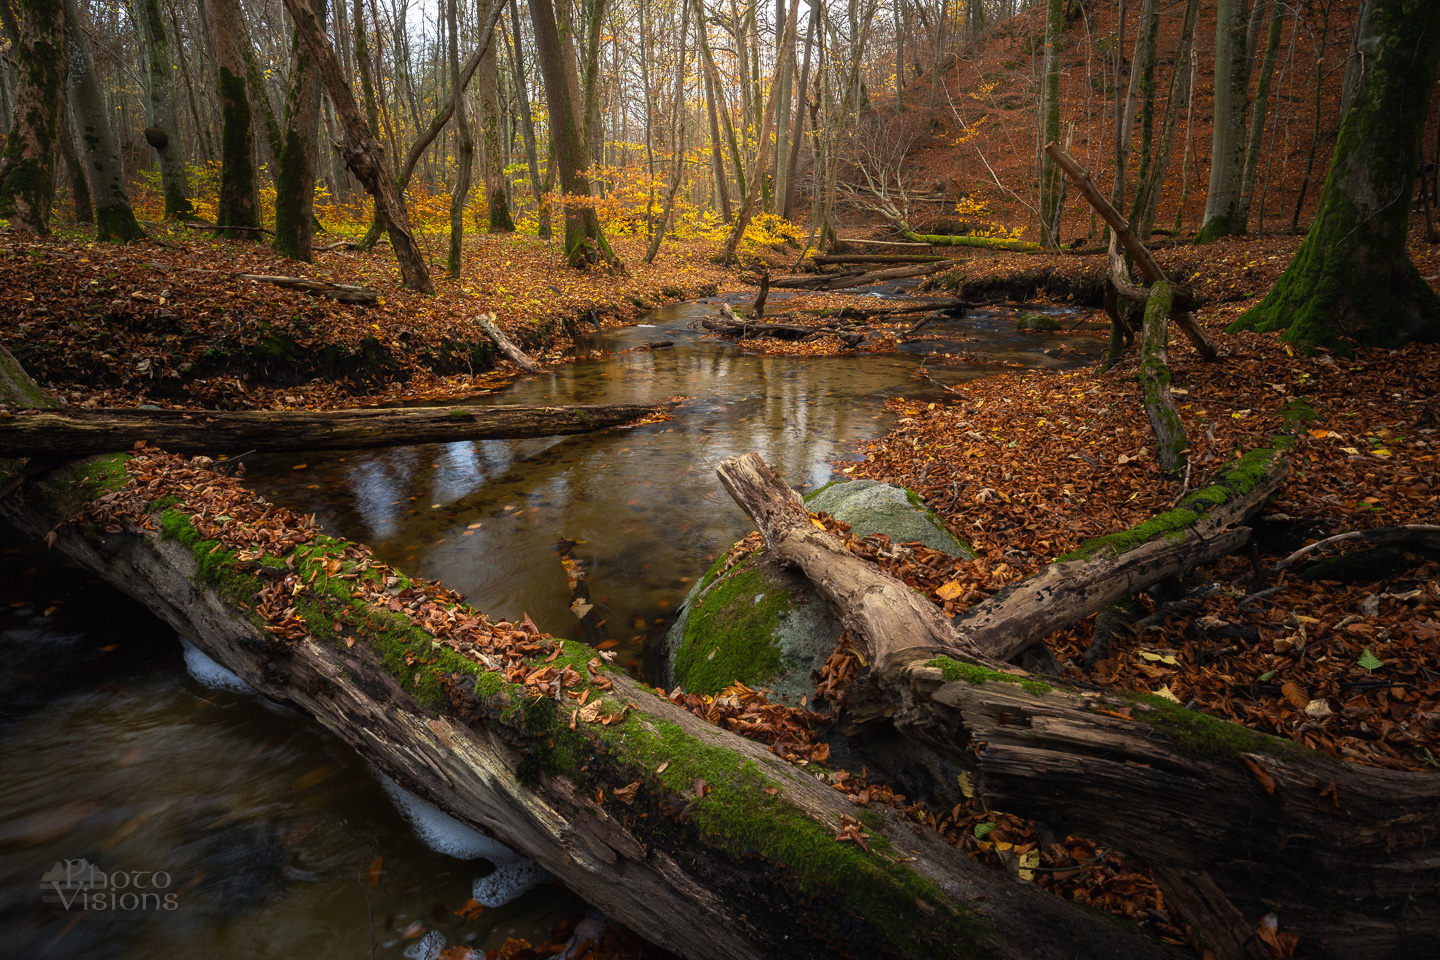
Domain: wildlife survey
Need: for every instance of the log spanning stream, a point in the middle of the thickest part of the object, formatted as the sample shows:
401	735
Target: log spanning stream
273	837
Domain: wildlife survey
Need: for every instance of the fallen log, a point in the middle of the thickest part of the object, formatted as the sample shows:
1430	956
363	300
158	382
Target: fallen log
1238	825
340	292
699	840
486	323
75	433
831	258
841	281
983	243
731	324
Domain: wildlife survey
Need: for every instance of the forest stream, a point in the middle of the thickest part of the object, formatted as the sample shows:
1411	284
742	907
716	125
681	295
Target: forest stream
276	840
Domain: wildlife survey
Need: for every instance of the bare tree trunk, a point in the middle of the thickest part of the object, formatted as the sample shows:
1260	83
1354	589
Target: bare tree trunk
1051	182
27	168
81	207
1259	110
1147	198
465	159
678	142
758	170
493	143
797	136
114	217
527	122
363	153
163	133
786	56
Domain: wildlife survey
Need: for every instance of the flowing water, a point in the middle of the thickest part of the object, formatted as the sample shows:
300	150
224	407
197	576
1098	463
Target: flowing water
266	828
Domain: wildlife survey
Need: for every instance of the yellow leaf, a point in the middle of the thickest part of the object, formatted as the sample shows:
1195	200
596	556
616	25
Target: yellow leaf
1027	864
1350	450
1167	694
949	591
967	789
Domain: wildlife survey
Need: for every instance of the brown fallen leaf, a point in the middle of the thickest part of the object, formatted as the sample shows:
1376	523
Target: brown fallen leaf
1267	783
626	794
372	876
470	910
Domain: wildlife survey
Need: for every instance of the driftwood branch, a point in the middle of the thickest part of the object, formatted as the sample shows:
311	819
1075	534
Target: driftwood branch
486	323
1420	534
731	324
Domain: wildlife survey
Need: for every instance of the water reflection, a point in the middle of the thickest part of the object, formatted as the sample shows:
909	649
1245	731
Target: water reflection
644	503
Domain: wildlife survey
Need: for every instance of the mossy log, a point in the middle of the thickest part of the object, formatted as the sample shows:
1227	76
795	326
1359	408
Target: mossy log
983	243
876	258
721	850
1171	444
1236	824
77	433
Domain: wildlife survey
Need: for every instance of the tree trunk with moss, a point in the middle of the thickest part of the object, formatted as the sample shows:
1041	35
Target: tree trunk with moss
1171	443
114	217
1215	808
1147	194
27	168
163	133
237	205
1352	280
493	142
1052	184
1227	143
372	114
363	153
527	125
295	162
585	242
80	206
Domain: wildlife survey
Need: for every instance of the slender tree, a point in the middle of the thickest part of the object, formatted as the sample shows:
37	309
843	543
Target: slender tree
295	163
527	126
1259	112
494	142
114	217
1147	195
1052	183
1352	280
678	141
465	152
363	153
163	132
27	168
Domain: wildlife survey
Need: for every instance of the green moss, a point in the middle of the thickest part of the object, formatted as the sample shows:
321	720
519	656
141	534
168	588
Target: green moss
1202	736
820	489
955	672
1299	411
738	817
1238	479
730	635
1037	321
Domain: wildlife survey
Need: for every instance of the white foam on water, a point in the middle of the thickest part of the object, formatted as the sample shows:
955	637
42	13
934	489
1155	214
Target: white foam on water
209	673
510	880
441	832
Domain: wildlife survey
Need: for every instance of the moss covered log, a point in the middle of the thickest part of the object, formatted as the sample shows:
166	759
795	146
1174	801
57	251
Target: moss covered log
700	840
1352	280
983	243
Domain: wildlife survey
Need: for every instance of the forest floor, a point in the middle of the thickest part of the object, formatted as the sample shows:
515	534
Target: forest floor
1024	465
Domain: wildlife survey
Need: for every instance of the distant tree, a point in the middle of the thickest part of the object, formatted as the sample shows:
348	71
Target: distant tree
1223	214
465	147
238	206
27	168
494	140
295	161
1051	182
163	132
114	217
1352	279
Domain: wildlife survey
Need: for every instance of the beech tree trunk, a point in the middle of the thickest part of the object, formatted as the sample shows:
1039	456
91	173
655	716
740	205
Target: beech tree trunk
295	162
677	142
77	433
1227	144
527	125
494	143
363	153
163	133
27	168
114	217
585	242
237	205
465	145
1147	196
1052	183
1352	280
1260	111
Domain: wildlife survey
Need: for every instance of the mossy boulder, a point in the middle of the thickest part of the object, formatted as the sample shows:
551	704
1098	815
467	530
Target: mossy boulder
870	507
764	625
1037	322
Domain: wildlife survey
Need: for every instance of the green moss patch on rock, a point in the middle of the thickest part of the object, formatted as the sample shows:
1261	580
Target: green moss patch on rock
869	507
732	631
